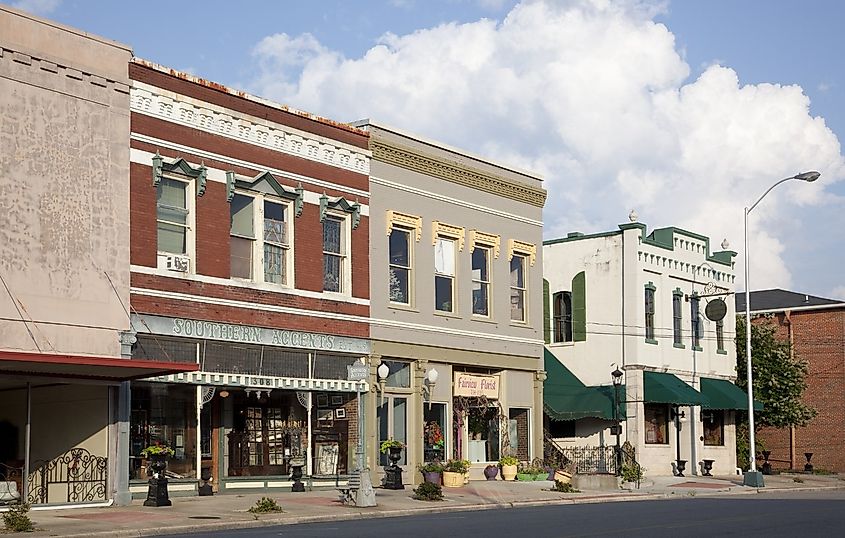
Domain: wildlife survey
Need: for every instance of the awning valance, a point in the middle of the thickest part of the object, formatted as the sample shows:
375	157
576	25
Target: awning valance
667	388
565	397
83	367
723	394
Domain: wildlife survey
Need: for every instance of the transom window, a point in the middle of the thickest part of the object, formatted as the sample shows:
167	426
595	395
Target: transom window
518	288
563	316
481	281
172	216
444	275
334	254
400	266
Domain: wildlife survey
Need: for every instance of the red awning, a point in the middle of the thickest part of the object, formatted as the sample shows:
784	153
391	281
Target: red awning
86	367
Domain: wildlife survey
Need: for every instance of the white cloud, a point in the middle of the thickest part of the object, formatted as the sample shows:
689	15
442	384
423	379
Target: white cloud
595	95
838	293
37	7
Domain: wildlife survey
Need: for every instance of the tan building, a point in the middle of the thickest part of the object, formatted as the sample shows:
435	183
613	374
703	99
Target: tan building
456	289
64	263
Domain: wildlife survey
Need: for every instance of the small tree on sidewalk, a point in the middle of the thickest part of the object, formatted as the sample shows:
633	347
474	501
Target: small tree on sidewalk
779	381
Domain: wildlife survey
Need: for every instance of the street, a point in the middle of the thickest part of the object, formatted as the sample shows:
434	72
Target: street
770	515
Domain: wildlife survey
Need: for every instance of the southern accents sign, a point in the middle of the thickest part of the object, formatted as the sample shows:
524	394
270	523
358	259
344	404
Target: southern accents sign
226	332
477	385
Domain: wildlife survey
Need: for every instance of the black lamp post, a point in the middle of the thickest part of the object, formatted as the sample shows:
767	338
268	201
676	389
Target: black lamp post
680	465
617	428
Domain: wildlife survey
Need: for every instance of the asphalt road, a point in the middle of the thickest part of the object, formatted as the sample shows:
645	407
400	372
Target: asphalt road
790	514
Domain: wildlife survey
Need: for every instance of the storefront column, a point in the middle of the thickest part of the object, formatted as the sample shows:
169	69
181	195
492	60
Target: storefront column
120	454
537	439
415	448
27	447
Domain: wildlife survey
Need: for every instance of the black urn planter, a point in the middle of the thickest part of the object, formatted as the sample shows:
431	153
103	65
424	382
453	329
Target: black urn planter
157	485
392	472
808	467
296	466
766	467
681	466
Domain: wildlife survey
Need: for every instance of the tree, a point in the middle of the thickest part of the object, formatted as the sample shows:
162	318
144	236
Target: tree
779	381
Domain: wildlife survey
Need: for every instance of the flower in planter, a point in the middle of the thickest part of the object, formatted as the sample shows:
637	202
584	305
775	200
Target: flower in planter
156	450
457	466
431	467
390	443
508	460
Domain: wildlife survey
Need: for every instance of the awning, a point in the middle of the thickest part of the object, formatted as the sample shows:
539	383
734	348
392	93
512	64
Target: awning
565	397
723	394
667	388
111	369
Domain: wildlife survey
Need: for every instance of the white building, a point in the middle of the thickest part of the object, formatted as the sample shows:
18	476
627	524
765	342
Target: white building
636	301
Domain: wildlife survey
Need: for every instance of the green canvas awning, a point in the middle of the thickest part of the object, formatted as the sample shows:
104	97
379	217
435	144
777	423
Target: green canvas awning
667	388
723	394
565	397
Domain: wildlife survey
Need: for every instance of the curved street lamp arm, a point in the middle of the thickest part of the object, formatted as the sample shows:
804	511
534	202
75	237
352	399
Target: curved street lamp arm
750	209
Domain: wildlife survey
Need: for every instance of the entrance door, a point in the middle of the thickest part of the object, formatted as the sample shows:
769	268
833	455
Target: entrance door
393	424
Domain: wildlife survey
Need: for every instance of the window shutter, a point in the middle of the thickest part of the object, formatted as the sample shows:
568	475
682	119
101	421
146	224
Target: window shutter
547	322
579	307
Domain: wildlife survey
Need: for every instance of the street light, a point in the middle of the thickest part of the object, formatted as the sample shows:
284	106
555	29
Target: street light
617	382
753	477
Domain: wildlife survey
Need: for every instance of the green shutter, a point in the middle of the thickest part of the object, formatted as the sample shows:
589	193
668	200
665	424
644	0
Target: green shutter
547	322
579	307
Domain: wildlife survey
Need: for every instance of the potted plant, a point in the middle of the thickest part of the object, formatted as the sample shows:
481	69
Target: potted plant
524	473
508	465
432	472
453	473
158	455
392	448
490	472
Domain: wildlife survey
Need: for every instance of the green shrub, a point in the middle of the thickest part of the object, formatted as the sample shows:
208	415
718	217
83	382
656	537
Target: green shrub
431	467
17	520
428	492
632	473
265	505
564	487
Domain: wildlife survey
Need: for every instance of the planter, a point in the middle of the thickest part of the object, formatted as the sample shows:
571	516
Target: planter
508	472
565	477
490	472
433	477
541	476
466	478
452	480
525	477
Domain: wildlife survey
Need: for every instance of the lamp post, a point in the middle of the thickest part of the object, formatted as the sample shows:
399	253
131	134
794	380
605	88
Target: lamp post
617	382
753	477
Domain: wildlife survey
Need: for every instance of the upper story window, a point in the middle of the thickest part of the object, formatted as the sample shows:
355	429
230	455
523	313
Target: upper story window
276	244
518	288
481	281
649	312
444	275
334	254
172	214
241	236
677	318
695	322
401	275
271	253
563	316
720	336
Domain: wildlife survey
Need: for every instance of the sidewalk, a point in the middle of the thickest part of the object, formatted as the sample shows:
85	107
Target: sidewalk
220	512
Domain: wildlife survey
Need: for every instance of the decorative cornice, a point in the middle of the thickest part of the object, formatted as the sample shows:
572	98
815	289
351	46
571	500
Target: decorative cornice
169	106
403	219
182	167
486	239
409	159
521	247
449	231
341	204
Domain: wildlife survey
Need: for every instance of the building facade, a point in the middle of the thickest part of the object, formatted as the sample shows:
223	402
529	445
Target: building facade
456	313
815	326
250	257
636	301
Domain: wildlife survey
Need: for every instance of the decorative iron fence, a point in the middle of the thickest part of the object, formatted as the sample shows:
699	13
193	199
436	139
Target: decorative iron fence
75	476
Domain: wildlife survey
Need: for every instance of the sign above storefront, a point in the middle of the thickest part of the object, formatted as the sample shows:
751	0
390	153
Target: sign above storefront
226	332
476	385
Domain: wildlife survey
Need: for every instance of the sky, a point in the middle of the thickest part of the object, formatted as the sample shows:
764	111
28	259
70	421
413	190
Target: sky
686	111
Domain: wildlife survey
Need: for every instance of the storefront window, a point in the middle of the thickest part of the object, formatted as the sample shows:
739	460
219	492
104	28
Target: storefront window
393	424
400	374
434	432
483	430
656	424
714	428
163	414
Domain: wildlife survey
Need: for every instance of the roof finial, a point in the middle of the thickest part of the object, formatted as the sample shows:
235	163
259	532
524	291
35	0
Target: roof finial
632	216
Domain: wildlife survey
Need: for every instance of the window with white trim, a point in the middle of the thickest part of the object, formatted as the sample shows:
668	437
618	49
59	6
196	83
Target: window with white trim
400	266
241	236
172	215
519	288
481	281
267	259
276	244
334	254
444	275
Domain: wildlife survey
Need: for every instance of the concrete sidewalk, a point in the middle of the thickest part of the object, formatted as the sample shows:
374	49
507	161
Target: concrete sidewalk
220	512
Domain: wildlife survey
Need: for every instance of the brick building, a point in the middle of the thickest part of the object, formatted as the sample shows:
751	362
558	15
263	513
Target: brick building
816	328
249	255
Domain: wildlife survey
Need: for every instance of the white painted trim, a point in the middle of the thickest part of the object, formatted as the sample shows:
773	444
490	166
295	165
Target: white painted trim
455	201
215	174
238	283
183	110
243	485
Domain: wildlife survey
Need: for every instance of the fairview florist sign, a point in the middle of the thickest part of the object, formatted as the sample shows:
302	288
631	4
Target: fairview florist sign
477	385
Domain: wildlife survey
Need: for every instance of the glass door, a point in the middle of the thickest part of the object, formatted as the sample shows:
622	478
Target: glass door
393	424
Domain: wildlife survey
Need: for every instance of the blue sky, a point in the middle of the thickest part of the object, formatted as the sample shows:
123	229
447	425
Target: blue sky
683	110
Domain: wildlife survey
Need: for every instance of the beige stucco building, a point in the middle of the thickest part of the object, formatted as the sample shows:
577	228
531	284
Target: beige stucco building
456	280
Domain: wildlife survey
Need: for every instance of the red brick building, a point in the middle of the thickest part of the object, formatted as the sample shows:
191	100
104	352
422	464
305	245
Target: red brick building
249	255
816	328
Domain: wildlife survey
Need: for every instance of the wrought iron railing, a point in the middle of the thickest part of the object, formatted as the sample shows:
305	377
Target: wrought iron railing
582	459
75	476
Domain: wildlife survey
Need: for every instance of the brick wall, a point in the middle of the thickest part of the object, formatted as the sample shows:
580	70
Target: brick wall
212	234
142	216
819	339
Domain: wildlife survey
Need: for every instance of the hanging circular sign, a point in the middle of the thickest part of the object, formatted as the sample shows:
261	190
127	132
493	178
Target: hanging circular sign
716	310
